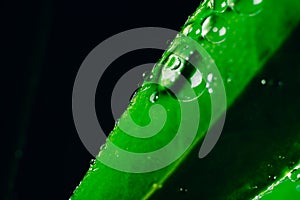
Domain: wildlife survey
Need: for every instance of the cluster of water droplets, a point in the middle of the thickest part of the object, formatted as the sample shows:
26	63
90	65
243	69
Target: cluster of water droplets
207	23
211	25
179	78
293	176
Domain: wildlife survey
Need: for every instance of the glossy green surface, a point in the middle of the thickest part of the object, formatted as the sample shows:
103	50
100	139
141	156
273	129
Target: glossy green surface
240	38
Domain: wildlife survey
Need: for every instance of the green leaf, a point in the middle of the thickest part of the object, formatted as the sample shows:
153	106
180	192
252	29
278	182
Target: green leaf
252	35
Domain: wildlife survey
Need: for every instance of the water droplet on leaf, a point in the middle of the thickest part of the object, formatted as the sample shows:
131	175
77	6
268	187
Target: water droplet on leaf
246	7
219	6
103	147
214	29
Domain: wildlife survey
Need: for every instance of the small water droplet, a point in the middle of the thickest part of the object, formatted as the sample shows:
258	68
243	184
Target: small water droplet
209	77
92	161
219	6
103	147
183	190
269	165
156	185
145	74
254	187
117	154
187	29
263	81
246	7
281	157
214	29
173	62
154	97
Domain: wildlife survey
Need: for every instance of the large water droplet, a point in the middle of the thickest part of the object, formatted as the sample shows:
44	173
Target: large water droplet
214	29
219	6
193	30
246	7
171	70
294	176
181	78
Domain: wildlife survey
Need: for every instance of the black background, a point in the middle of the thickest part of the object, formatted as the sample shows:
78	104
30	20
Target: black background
44	43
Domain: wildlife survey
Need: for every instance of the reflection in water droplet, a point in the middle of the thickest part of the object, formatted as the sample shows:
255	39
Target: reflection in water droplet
214	29
154	97
246	7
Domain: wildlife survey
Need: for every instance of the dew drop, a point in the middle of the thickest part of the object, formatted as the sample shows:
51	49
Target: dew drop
103	147
254	187
229	80
92	161
145	74
246	7
187	29
263	81
183	190
209	77
214	29
219	6
156	185
294	176
179	78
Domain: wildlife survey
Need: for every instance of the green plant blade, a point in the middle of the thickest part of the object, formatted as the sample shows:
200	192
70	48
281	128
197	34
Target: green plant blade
249	42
